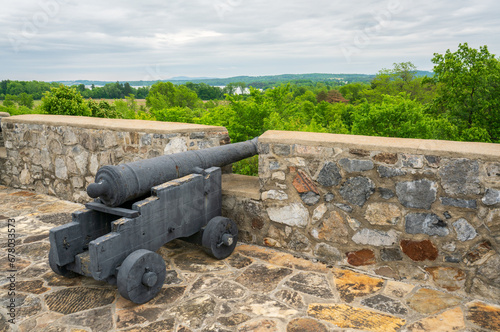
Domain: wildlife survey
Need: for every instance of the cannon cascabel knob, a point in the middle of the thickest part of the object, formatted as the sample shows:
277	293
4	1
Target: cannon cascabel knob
97	189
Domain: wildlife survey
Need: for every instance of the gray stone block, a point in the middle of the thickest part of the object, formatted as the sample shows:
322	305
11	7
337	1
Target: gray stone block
329	175
327	252
460	177
282	149
386	304
418	194
310	198
344	207
197	135
329	197
386	193
390	255
357	190
461	203
433	161
412	161
263	148
294	214
375	237
453	259
425	223
491	197
274	165
464	230
356	165
390	172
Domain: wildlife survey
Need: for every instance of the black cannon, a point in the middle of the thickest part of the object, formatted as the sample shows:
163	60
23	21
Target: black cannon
139	207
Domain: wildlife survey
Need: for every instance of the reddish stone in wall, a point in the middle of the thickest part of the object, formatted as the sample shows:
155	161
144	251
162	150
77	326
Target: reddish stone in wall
419	250
257	223
361	257
304	184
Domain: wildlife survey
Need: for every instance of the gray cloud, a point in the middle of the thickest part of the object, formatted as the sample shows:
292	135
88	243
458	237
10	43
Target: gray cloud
131	40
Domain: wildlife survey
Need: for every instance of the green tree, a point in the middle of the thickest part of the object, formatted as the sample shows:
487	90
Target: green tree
102	109
205	91
3	86
353	92
244	119
15	88
131	102
176	114
26	100
126	113
469	91
235	87
10	101
127	89
400	116
401	78
166	95
64	100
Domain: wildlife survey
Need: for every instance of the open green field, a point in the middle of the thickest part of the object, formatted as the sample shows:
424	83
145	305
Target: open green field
138	101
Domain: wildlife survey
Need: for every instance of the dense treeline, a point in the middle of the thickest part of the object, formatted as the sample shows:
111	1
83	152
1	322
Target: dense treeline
10	90
34	88
255	81
207	89
461	102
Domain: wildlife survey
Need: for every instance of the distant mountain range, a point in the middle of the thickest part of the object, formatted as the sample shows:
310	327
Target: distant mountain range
249	80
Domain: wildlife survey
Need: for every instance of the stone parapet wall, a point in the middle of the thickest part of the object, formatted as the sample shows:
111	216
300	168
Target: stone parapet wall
60	155
414	209
2	115
403	208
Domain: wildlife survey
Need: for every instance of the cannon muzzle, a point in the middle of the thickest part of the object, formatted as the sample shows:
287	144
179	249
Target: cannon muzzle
115	185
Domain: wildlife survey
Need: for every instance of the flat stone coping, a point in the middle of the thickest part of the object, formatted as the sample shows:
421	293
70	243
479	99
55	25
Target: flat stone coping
112	124
241	186
452	149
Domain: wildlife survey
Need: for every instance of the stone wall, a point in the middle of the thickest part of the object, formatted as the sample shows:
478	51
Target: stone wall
402	208
410	209
2	115
60	155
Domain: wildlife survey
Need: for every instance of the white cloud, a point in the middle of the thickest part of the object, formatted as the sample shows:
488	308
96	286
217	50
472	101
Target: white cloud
125	40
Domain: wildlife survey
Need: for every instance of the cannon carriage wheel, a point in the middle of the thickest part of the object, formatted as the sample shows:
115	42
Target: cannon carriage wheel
220	237
60	270
141	276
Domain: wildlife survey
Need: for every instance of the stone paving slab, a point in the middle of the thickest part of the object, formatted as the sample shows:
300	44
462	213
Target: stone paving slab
255	289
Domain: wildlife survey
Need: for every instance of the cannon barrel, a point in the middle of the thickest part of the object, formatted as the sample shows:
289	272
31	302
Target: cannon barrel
115	185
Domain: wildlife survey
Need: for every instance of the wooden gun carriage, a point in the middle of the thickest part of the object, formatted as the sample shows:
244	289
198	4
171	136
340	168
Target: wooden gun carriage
138	208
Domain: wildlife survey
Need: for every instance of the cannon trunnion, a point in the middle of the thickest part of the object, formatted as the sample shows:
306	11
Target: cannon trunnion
118	244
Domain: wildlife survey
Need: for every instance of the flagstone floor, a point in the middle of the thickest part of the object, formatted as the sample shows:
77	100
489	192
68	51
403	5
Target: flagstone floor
255	289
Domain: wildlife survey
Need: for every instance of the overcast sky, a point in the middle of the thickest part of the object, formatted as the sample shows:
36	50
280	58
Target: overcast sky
151	39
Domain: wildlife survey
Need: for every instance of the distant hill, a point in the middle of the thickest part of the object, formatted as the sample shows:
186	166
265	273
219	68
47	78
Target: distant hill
424	73
255	81
249	80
